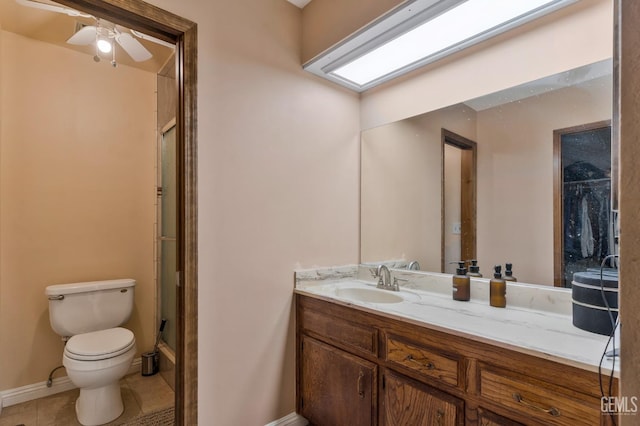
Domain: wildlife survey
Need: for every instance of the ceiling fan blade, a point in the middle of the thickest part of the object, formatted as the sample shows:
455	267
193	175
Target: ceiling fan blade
133	47
52	8
86	35
152	39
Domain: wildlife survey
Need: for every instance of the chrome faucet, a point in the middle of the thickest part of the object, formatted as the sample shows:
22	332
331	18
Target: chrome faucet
384	279
414	265
384	276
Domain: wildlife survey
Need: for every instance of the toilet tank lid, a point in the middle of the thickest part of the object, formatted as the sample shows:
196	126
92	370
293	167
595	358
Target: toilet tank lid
54	290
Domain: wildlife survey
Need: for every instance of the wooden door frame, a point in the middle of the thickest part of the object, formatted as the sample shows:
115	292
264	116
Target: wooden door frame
558	210
468	194
141	16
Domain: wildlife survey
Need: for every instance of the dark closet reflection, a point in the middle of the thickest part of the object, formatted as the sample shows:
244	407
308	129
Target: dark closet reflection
586	185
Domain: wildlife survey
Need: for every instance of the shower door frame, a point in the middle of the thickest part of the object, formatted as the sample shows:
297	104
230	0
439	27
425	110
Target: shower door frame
144	17
162	238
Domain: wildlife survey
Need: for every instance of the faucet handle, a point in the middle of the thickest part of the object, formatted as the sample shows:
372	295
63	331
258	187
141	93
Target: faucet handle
413	265
374	272
396	285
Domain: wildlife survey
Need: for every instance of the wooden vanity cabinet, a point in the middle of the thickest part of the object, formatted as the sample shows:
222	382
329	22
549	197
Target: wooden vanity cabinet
356	367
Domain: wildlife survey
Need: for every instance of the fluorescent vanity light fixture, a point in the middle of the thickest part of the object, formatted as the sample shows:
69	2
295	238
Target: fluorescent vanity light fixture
420	32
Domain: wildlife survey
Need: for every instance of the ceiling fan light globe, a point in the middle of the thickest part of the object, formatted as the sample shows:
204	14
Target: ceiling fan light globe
104	46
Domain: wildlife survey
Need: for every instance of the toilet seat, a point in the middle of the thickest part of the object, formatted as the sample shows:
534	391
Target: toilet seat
99	345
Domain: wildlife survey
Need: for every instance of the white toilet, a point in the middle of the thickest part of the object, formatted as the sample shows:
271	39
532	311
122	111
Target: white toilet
98	352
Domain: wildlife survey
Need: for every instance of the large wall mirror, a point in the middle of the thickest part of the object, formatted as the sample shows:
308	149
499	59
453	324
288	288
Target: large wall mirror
414	179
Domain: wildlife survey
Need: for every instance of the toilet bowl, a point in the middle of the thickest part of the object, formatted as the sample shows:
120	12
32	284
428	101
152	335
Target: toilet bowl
98	352
95	362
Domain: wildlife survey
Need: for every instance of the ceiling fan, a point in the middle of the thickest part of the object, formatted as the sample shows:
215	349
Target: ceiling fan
104	34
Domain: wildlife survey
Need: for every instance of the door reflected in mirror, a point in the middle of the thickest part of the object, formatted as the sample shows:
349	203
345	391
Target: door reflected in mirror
584	222
402	174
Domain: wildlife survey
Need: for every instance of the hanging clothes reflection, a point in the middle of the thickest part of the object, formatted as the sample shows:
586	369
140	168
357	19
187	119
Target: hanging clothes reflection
588	220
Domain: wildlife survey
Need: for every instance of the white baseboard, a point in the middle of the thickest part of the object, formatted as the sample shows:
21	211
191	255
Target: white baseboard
292	419
40	390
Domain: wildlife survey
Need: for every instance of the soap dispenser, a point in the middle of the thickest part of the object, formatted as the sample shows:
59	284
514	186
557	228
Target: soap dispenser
474	269
508	273
461	284
497	289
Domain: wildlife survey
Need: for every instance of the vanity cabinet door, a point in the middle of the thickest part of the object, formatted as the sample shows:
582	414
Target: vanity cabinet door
336	388
407	402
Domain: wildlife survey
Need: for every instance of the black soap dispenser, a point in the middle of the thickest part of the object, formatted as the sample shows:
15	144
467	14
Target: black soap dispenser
474	269
461	283
497	289
508	272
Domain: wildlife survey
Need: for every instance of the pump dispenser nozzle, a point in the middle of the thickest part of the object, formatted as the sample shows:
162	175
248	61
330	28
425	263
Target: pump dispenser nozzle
474	269
497	271
508	273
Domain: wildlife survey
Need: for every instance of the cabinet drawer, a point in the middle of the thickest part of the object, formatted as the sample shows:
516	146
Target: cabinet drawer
426	361
338	330
545	402
408	402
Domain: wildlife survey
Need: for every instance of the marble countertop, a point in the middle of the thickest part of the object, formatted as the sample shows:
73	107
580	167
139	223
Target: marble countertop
539	325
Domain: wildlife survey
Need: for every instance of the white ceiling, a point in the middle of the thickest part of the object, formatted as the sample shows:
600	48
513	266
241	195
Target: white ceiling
299	3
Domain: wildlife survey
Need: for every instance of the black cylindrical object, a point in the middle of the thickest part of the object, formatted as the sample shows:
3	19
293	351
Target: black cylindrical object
590	311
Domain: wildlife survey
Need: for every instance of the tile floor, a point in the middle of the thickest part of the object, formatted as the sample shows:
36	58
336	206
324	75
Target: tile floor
140	395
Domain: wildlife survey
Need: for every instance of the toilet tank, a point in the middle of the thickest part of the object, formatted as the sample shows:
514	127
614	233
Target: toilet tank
90	306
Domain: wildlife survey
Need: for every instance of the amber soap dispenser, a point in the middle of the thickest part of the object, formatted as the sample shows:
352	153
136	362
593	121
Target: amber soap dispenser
497	289
461	284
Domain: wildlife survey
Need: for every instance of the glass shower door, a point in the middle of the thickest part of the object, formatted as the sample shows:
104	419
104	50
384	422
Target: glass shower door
167	234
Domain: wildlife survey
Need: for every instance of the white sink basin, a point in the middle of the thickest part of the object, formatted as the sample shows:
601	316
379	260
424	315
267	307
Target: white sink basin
371	295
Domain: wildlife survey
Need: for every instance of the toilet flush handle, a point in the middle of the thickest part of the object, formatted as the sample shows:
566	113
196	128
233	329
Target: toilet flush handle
58	297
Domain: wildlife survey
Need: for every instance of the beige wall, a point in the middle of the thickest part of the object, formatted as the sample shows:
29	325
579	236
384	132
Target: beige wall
77	193
278	155
326	22
576	35
401	175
